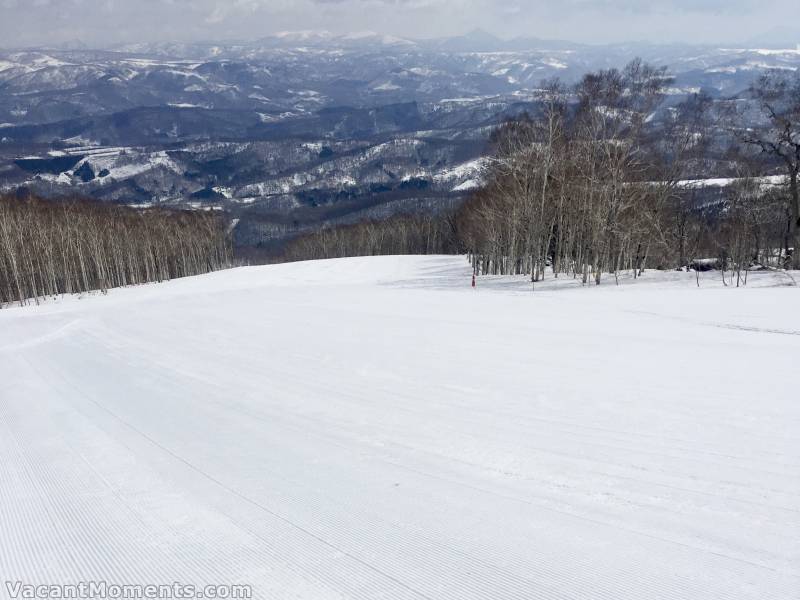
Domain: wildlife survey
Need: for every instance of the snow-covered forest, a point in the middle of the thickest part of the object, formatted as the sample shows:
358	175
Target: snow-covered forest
589	184
70	246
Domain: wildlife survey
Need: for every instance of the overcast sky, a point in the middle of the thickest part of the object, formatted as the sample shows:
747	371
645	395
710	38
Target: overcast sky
104	22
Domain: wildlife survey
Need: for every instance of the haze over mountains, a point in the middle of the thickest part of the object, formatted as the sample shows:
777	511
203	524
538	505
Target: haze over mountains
301	128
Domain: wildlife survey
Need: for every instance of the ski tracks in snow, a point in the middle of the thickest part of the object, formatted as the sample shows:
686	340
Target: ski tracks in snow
332	438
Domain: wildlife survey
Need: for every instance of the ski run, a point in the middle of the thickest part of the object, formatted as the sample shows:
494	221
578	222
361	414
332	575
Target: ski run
374	428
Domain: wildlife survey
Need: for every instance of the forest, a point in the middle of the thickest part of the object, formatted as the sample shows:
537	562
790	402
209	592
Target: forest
593	184
66	246
604	176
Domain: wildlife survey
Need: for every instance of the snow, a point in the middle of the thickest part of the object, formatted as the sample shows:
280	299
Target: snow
556	64
766	181
225	191
424	71
471	99
61	179
124	163
374	428
386	40
267	118
765	51
386	87
680	91
469	184
460	171
81	141
303	36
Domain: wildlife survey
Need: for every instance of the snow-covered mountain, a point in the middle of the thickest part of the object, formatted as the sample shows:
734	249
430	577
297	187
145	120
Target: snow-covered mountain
306	71
298	127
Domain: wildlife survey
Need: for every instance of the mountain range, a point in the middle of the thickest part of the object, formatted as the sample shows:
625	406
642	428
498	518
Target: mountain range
301	128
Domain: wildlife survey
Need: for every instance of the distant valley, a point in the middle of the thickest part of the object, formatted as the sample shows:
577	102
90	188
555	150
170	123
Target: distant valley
296	130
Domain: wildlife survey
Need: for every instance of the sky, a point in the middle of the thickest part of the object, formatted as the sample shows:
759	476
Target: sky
100	23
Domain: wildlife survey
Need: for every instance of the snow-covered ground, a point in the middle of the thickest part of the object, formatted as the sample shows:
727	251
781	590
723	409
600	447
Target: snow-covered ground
374	428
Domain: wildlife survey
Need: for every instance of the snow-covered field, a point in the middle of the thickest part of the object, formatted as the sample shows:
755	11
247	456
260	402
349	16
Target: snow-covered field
374	428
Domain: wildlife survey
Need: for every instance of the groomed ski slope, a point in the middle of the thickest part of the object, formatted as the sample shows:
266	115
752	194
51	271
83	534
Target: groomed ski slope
373	428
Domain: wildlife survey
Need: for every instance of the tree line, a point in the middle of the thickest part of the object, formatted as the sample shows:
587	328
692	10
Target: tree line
596	179
51	247
599	179
401	234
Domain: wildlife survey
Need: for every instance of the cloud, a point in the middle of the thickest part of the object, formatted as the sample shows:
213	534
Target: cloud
107	21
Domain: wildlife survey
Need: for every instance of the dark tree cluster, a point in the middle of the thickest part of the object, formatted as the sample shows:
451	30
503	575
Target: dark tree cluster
68	246
401	234
572	186
778	97
603	177
594	183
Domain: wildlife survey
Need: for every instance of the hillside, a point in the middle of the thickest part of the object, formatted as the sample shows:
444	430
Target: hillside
289	132
375	428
